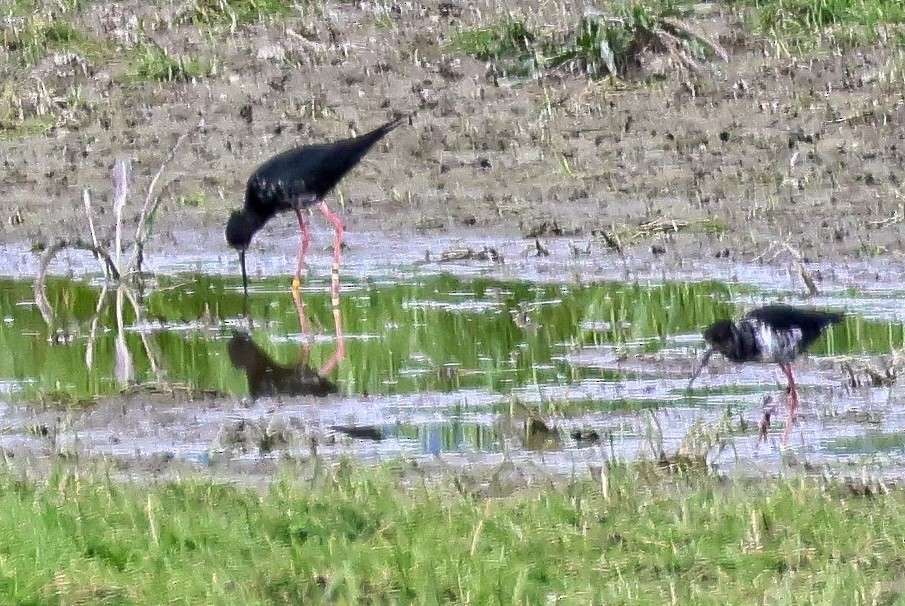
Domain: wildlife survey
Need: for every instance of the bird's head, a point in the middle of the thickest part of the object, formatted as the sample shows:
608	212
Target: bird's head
720	335
239	229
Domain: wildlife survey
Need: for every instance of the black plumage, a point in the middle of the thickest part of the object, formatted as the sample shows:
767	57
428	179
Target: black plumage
774	333
295	180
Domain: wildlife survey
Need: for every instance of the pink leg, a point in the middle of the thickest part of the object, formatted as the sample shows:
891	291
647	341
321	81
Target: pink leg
337	249
793	401
338	229
303	320
303	248
340	352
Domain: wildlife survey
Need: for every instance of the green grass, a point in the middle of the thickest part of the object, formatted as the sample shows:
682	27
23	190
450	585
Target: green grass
154	63
13	129
352	534
32	37
609	43
21	7
803	19
509	44
598	45
31	32
507	38
236	12
195	199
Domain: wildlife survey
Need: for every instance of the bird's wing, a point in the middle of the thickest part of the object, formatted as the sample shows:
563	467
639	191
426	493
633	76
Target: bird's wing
786	317
283	190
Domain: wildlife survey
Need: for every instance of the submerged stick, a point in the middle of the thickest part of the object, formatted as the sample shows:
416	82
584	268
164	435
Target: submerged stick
95	323
49	254
142	334
124	363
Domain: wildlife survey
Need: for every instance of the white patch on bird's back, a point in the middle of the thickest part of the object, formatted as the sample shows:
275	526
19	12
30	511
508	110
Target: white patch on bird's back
776	345
278	188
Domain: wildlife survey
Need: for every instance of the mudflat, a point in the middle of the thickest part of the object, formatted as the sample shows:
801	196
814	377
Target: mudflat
738	158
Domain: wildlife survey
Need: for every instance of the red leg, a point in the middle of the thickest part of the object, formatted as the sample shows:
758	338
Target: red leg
764	425
337	249
793	400
303	248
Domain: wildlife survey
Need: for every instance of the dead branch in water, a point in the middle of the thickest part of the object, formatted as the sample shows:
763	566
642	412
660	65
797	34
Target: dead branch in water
113	267
776	247
112	264
49	254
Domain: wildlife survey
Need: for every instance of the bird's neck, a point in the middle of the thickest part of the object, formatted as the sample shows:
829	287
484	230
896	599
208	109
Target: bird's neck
253	221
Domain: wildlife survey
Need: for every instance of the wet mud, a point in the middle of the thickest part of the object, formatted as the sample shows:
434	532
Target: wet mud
778	177
762	152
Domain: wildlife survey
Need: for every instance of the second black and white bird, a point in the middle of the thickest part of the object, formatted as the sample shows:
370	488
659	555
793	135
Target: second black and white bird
774	333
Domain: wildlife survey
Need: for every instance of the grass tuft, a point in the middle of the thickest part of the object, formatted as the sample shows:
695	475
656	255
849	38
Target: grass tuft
858	20
611	46
236	12
31	38
599	46
508	39
155	63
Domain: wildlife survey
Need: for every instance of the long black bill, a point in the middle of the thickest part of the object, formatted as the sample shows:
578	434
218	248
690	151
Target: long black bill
704	360
244	275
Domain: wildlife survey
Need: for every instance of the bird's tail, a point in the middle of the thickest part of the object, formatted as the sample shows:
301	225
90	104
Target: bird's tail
379	132
358	146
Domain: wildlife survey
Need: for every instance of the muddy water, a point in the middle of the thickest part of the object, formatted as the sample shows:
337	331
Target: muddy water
468	359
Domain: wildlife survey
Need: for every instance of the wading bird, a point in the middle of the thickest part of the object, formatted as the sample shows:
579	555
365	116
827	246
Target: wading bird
774	333
296	180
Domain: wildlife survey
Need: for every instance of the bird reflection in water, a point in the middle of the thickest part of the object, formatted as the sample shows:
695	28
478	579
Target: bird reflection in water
267	377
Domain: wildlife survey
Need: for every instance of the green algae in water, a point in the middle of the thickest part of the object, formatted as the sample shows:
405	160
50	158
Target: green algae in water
439	333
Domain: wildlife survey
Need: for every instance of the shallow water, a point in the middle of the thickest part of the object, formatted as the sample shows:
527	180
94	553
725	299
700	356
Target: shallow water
472	360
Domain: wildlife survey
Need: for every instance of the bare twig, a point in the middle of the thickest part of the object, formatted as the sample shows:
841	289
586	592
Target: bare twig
152	202
124	364
774	247
305	41
806	276
49	254
676	47
657	226
86	199
655	442
894	219
95	323
121	171
695	32
139	317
